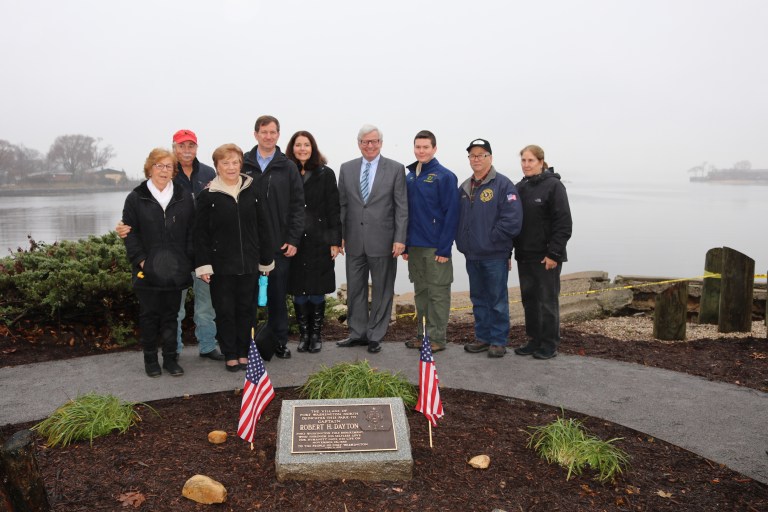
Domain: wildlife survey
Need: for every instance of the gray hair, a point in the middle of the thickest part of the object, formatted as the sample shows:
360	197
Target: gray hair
368	128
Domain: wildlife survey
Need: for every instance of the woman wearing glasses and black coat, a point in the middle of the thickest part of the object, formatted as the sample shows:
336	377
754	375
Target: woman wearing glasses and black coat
159	248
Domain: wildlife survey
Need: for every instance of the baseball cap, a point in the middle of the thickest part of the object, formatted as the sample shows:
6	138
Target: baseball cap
184	136
480	143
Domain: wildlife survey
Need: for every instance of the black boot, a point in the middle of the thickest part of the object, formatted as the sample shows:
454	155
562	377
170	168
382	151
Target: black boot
303	311
151	366
316	328
171	364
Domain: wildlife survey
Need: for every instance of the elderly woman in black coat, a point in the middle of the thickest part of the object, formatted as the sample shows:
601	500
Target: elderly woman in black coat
231	248
312	269
159	248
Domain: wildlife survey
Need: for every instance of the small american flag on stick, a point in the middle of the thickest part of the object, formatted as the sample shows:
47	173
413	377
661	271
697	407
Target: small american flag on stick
257	393
429	403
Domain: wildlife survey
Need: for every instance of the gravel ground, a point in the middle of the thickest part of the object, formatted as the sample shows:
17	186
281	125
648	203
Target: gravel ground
631	328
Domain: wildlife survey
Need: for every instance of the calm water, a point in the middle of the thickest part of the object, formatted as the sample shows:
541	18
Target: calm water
618	228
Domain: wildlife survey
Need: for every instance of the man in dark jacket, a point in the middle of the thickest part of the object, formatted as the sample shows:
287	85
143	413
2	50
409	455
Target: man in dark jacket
491	217
433	213
280	186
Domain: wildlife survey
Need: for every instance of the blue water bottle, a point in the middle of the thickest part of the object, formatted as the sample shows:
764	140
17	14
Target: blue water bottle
263	280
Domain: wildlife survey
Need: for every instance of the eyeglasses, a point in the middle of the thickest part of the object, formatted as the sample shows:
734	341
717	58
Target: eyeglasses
160	167
478	157
372	142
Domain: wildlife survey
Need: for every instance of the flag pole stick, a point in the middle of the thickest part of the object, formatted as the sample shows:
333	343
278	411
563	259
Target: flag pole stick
424	333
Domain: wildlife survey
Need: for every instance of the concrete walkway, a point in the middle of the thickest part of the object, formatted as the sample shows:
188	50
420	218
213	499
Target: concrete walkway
722	422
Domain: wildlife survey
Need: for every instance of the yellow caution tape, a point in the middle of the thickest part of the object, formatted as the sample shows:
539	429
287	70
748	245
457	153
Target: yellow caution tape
707	275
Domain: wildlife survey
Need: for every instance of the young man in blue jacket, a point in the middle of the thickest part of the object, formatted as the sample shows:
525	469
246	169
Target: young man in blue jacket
433	214
491	216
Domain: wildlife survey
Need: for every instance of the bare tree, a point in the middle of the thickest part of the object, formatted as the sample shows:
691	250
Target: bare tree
78	153
743	165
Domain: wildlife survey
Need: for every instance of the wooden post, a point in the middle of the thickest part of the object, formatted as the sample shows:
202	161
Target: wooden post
736	288
671	312
24	482
709	305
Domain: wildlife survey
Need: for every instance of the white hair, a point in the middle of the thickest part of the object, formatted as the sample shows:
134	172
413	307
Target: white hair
368	128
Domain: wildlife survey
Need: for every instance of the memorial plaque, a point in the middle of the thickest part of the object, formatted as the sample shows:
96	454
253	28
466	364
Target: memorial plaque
343	428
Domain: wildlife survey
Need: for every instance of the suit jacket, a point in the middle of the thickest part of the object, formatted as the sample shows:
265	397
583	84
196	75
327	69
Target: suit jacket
371	228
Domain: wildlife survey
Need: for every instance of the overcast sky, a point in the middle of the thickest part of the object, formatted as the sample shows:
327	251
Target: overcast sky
610	89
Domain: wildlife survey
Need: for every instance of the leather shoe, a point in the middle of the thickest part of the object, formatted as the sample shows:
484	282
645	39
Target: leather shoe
544	354
374	347
232	367
476	347
526	350
282	352
351	342
214	354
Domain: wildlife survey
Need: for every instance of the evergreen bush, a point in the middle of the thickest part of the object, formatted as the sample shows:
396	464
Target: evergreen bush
66	280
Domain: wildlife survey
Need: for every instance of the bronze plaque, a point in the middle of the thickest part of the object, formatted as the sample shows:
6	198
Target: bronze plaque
342	428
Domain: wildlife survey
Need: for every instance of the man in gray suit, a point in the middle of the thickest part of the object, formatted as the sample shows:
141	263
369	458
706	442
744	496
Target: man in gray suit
374	220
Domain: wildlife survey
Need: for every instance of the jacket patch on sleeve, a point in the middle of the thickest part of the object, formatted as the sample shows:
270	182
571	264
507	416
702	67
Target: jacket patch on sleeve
511	197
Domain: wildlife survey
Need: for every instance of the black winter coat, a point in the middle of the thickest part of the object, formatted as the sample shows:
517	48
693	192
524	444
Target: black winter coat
312	269
161	239
281	189
547	223
230	235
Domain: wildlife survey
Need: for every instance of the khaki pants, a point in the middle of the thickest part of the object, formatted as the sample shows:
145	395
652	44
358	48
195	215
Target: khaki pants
432	291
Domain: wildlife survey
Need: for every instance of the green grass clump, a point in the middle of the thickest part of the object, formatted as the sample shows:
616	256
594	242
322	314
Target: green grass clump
86	417
357	380
566	442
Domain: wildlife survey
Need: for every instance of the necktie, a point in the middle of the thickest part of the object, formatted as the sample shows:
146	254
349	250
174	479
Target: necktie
364	188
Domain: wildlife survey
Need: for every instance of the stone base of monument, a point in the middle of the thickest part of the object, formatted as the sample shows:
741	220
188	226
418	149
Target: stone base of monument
352	439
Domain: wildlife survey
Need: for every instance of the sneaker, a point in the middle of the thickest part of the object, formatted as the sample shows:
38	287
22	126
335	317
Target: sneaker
437	347
496	351
526	350
478	346
544	354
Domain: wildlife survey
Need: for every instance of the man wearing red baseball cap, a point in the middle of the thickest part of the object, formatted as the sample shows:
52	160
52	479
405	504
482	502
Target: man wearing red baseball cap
192	176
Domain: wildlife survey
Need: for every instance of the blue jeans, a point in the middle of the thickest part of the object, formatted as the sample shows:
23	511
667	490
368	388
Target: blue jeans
205	327
490	300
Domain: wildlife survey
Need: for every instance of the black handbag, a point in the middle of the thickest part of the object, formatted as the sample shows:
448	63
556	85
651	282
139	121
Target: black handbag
265	341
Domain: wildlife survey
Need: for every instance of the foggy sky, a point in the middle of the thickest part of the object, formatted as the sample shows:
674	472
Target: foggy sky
611	90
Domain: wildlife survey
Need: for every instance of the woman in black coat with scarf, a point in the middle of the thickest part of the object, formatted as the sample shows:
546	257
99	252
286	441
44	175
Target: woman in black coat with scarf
159	247
312	273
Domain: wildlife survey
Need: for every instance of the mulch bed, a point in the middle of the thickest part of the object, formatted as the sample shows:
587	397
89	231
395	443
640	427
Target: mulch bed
146	468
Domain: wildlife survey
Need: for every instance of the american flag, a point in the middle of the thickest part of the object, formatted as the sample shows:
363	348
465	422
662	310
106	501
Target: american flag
429	403
257	393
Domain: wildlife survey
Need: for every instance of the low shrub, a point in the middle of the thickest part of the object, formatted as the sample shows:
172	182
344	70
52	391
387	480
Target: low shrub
66	279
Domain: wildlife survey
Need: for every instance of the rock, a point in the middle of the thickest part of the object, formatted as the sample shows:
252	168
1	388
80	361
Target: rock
203	489
217	436
480	461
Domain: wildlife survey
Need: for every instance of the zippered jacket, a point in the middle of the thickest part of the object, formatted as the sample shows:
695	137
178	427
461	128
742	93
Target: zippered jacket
433	207
547	223
231	234
489	223
281	189
162	239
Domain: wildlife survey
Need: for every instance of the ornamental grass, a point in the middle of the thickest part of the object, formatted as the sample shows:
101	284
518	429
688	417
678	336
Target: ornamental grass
357	380
566	442
87	417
